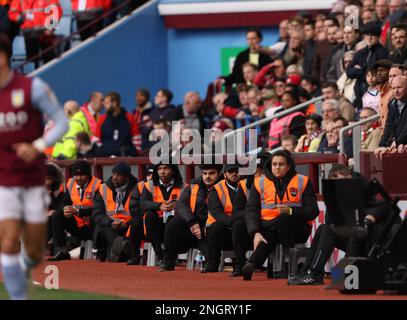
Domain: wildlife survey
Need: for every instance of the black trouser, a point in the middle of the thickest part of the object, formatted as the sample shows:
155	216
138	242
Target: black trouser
92	30
155	227
105	236
33	44
218	238
325	241
241	241
285	229
179	239
136	234
60	224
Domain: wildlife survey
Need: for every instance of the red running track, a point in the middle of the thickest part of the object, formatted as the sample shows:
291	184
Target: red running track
140	282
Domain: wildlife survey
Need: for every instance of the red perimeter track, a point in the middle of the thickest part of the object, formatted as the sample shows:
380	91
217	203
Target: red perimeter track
140	282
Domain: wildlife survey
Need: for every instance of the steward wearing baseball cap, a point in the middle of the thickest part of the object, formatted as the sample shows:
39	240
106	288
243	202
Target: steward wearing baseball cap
240	237
75	212
114	207
219	224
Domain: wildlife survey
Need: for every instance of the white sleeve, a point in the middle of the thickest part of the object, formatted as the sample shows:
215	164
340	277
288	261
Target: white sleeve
45	101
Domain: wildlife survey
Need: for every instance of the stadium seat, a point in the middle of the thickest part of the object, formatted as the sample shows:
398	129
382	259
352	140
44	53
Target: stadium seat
285	263
224	255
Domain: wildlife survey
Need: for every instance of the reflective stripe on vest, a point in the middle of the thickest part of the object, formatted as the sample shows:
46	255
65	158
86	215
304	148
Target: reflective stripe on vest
194	196
158	195
87	200
110	204
223	193
243	185
270	199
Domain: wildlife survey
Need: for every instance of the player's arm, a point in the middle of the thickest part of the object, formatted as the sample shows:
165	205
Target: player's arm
45	101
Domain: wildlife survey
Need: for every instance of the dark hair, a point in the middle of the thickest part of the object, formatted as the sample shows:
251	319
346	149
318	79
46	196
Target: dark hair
400	26
330	84
115	97
145	92
332	17
311	79
255	29
83	137
249	64
168	94
294	95
285	154
5	46
341	169
344	120
315	117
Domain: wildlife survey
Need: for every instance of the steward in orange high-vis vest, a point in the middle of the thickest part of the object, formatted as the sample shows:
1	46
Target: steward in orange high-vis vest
158	200
136	229
114	207
240	238
75	214
219	223
280	209
187	229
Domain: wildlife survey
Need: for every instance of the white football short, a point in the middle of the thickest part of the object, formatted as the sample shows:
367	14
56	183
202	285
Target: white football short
28	204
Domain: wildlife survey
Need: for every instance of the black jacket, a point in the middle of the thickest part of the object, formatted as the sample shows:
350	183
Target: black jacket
307	212
396	126
183	208
243	57
168	113
99	210
399	56
375	53
216	208
146	199
239	205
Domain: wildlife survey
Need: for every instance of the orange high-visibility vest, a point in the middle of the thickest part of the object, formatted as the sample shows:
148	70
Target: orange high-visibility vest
270	199
243	185
110	204
194	196
86	202
35	12
140	187
222	190
158	196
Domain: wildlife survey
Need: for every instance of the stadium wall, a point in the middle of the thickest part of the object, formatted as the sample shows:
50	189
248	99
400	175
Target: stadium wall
194	56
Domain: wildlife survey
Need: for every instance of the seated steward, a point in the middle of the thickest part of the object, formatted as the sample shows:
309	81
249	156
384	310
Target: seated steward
280	209
114	207
240	237
75	211
158	200
187	229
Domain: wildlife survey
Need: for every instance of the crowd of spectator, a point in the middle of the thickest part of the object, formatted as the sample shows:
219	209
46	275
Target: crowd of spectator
357	68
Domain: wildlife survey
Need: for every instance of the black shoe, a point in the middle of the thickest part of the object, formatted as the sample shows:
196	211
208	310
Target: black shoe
237	272
306	280
166	267
210	268
101	254
247	271
61	255
135	261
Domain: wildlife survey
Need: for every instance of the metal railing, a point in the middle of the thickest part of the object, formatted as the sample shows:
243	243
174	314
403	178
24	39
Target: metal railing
356	143
269	119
